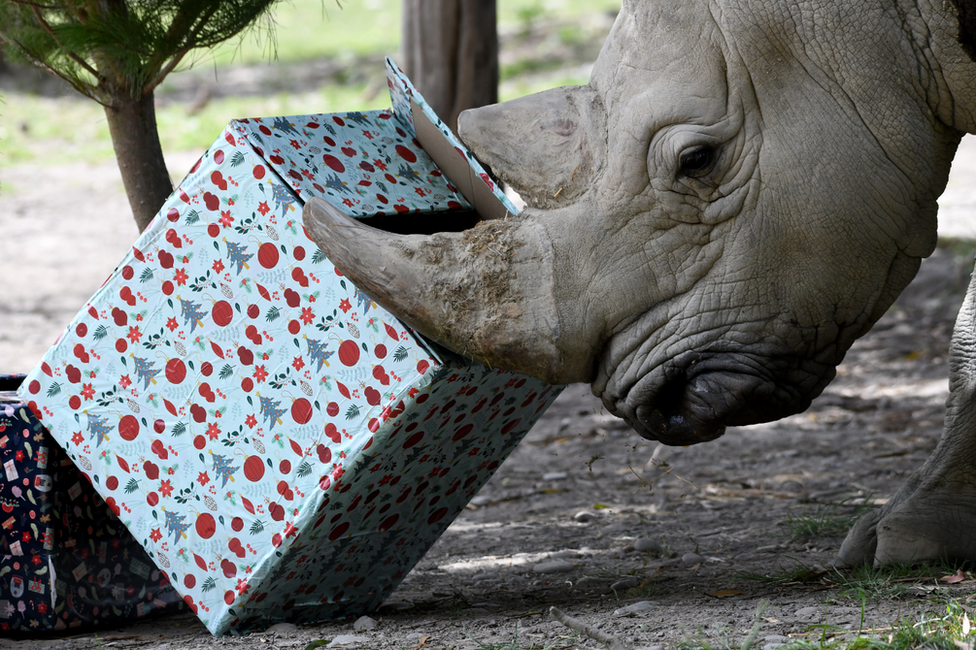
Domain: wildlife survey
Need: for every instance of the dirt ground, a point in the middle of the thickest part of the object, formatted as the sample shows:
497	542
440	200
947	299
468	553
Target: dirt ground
656	545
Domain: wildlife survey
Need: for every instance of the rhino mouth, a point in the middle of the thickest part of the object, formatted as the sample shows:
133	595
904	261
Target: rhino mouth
694	398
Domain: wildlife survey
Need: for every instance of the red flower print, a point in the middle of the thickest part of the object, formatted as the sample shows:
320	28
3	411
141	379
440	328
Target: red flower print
166	488
213	431
171	324
225	218
134	334
348	203
260	373
19	455
250	421
181	277
307	317
298	363
87	391
295	144
307	174
380	164
203	479
124	381
155	535
420	191
344	305
218	266
77	438
242	586
368	135
263	208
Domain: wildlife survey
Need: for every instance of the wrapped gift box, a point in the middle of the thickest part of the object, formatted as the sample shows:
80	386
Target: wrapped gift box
282	447
66	561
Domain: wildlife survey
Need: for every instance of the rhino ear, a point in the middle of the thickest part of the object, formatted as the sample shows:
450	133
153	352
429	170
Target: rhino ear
546	146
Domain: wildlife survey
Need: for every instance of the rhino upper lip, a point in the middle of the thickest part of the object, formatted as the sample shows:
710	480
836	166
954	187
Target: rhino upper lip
700	393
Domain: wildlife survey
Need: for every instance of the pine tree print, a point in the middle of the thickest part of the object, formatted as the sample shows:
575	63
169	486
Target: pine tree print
363	301
319	353
335	183
282	124
191	313
99	428
358	118
283	198
176	524
270	411
237	254
146	371
224	468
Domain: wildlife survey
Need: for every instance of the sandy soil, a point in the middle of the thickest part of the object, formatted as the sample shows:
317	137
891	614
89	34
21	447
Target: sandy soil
710	515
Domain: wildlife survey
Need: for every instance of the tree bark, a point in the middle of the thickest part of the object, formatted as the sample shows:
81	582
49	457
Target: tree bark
450	52
132	125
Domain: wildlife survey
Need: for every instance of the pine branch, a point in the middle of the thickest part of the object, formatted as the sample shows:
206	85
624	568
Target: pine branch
189	43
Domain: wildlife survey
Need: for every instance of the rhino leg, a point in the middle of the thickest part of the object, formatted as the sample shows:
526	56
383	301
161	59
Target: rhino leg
933	516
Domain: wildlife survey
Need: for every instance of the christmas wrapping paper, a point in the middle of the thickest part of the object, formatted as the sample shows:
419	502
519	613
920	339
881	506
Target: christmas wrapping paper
66	562
283	448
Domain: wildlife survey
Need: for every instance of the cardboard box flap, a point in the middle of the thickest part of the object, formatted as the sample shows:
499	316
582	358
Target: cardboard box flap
474	187
445	147
364	163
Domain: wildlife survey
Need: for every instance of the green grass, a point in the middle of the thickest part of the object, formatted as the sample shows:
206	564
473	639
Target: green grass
945	627
824	520
799	574
890	582
43	130
949	629
33	129
307	29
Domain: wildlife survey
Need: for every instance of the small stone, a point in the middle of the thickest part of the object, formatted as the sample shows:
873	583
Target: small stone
554	476
480	501
647	545
564	555
692	558
636	608
591	583
807	613
584	517
346	640
775	641
364	623
392	607
478	577
555	566
282	629
625	584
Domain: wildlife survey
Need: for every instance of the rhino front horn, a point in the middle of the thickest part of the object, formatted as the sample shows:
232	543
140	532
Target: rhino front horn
485	293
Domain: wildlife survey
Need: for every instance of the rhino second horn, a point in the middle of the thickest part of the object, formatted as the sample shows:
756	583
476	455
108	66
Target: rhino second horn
485	293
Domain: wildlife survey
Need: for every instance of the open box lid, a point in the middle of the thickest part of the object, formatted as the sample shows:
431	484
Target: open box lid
379	163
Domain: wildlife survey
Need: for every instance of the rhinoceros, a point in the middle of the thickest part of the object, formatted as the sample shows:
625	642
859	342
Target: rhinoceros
741	191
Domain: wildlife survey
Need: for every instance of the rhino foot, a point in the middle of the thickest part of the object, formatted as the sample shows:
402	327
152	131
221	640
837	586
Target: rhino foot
927	520
933	517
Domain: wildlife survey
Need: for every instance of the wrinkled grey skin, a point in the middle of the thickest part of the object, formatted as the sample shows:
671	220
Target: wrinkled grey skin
741	191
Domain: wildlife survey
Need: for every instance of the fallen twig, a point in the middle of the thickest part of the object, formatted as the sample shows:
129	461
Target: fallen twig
586	630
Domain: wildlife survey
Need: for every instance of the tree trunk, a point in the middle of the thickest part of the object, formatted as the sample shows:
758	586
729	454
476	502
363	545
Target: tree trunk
450	52
132	125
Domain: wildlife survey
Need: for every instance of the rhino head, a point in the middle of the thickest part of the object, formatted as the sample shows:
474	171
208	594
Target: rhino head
741	190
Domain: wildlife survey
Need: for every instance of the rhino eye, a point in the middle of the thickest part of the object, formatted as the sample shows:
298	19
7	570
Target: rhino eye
697	161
